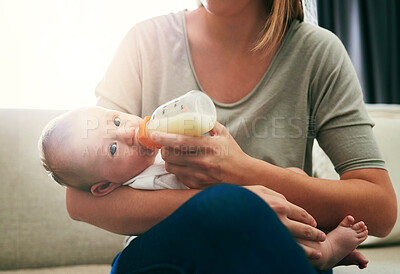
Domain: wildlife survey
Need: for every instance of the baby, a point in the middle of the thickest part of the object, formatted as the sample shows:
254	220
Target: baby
96	150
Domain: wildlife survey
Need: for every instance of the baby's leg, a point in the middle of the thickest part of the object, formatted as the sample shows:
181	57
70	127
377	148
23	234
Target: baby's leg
340	244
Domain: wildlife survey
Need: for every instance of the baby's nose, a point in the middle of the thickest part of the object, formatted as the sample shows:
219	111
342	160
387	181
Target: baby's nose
126	135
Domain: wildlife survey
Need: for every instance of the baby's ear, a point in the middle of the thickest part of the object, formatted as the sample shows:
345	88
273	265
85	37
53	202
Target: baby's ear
103	188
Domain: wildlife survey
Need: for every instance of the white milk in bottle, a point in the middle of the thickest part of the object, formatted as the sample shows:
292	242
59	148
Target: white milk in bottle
192	114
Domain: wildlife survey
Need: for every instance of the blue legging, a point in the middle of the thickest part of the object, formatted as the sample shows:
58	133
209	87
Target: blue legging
223	229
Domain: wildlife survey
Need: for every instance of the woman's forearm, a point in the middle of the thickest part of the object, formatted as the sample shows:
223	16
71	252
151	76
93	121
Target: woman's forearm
367	194
125	211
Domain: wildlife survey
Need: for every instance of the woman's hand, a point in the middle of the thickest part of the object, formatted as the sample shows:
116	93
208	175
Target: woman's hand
298	221
202	161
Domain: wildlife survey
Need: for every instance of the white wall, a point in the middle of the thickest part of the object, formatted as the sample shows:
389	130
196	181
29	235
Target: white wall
54	52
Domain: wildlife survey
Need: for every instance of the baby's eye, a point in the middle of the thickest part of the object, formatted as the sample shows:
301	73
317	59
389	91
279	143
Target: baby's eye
113	149
117	121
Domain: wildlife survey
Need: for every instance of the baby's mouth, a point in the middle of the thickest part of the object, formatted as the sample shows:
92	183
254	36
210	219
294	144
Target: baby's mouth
143	149
146	150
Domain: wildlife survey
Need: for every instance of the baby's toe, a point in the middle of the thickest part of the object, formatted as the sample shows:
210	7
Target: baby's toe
364	228
360	226
347	221
362	236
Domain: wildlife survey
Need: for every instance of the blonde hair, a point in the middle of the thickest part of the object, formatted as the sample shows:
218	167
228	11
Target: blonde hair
281	14
55	133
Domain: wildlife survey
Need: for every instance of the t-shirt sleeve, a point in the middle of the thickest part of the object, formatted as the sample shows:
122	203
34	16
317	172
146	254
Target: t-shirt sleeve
121	87
339	117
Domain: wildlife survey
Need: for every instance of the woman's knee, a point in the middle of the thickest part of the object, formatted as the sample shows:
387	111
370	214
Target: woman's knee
228	208
227	227
225	198
232	222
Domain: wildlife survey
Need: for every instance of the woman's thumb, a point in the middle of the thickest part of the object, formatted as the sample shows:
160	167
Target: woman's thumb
218	130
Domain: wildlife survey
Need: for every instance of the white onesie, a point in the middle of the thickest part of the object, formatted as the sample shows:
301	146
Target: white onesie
155	177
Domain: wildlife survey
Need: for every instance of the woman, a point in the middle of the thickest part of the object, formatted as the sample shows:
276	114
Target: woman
277	84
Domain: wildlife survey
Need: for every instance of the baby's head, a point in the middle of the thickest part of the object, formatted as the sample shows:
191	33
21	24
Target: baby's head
93	149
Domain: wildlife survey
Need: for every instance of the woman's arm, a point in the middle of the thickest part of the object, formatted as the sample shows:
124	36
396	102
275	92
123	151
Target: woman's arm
132	212
126	210
366	194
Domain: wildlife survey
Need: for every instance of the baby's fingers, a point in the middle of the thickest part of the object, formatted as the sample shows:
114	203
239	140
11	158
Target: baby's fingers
311	253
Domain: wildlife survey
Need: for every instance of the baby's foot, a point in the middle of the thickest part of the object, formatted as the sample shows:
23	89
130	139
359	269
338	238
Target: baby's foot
340	244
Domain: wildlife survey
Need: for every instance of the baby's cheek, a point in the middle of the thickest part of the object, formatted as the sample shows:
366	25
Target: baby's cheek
125	153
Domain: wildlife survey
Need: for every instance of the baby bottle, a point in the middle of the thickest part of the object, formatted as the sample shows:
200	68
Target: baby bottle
192	114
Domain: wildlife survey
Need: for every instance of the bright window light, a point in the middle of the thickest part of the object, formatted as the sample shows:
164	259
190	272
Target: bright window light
54	52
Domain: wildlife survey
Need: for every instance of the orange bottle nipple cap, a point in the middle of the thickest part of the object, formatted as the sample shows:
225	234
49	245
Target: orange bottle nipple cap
143	138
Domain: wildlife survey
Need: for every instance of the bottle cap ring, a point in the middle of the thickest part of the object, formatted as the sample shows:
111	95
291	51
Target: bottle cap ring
143	138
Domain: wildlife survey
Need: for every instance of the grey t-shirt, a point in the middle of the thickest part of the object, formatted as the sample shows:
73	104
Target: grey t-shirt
310	90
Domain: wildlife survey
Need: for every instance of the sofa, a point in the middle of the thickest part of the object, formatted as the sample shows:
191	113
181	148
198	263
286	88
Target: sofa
37	235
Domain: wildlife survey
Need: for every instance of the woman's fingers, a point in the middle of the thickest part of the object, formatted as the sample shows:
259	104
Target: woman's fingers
191	177
299	214
210	159
299	222
179	142
304	231
311	253
173	157
218	129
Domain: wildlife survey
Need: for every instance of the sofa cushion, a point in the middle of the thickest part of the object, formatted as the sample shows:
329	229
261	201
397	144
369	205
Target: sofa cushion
387	133
76	269
36	230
